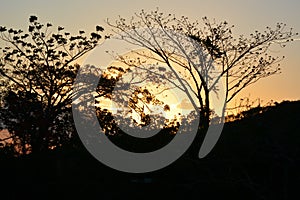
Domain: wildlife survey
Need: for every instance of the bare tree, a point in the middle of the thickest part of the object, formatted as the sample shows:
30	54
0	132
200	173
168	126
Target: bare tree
237	62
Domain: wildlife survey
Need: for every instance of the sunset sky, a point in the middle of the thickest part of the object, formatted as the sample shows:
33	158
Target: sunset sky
247	16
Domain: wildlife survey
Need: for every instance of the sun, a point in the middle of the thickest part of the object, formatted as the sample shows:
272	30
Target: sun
139	86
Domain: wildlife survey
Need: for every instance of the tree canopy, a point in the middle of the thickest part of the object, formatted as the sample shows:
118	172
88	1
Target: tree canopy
37	71
38	68
201	56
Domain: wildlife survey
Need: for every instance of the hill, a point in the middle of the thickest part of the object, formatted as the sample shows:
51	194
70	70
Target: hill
257	157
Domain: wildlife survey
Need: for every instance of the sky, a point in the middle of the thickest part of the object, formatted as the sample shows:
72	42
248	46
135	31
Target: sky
247	16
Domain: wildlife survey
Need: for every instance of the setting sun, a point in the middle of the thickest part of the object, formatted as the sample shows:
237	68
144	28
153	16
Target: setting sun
149	99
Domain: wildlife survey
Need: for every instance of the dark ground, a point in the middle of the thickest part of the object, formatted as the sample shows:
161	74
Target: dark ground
257	157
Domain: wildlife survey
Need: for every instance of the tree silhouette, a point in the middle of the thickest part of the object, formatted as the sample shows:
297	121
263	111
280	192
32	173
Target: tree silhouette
178	43
37	73
139	102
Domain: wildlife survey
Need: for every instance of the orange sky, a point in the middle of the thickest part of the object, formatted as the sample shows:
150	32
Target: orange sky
247	16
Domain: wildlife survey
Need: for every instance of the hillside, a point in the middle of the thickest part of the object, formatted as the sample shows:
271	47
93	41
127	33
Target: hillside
257	157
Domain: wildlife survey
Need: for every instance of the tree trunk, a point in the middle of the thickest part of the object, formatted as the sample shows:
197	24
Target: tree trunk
193	151
39	142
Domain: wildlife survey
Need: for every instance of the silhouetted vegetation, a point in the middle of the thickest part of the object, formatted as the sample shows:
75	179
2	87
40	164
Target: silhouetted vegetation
36	75
191	46
257	157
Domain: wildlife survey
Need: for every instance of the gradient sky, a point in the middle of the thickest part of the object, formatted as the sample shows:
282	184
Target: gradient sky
247	16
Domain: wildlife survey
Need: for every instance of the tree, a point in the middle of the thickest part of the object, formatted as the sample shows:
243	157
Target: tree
37	73
140	100
236	61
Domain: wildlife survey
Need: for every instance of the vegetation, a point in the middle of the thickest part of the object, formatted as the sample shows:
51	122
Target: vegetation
257	155
256	158
37	73
207	55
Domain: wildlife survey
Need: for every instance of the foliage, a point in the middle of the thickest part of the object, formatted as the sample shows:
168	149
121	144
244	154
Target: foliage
201	56
37	73
241	60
